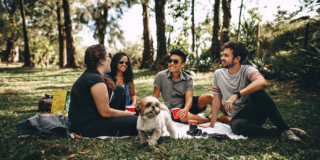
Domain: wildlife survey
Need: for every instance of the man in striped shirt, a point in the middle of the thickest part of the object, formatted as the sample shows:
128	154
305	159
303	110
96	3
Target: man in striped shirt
248	105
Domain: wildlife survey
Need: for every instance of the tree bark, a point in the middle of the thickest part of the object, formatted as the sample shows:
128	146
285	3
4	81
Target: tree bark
215	47
192	26
102	22
238	34
162	50
226	6
257	40
62	40
27	61
306	37
71	53
147	59
10	49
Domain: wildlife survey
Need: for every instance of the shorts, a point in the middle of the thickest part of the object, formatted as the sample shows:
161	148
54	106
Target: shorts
194	109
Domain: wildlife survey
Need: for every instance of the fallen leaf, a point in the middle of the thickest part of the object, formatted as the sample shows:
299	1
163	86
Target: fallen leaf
35	155
84	152
77	136
72	157
57	148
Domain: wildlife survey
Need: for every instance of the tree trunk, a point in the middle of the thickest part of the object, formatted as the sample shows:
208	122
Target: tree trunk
147	59
215	47
162	50
192	26
10	50
102	22
226	6
257	40
62	40
306	37
27	61
71	53
238	34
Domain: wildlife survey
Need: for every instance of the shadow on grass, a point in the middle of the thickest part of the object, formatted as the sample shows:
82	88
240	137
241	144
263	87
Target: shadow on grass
31	111
55	87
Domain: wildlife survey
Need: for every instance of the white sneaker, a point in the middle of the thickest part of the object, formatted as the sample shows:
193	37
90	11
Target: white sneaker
299	132
288	134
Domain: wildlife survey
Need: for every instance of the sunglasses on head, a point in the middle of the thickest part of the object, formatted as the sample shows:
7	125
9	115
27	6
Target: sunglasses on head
121	62
175	61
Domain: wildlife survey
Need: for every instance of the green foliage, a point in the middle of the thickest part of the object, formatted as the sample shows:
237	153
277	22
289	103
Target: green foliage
19	102
10	22
42	52
134	50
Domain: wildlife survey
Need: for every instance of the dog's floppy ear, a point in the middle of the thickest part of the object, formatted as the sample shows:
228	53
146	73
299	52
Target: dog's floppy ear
138	107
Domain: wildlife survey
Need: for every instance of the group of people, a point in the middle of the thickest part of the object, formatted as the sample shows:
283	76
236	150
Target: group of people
100	94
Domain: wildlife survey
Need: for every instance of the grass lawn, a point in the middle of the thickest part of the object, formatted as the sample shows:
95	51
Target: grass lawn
21	89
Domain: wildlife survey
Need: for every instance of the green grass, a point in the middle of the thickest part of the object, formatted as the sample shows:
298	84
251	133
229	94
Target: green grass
21	89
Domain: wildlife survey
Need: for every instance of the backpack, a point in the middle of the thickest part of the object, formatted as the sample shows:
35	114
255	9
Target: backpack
45	104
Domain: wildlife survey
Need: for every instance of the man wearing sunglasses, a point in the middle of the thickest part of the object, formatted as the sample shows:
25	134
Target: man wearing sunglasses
176	88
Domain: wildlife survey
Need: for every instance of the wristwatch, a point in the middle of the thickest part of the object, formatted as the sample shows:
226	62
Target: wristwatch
238	93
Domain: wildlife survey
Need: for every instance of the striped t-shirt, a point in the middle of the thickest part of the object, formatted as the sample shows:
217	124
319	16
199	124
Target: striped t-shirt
226	84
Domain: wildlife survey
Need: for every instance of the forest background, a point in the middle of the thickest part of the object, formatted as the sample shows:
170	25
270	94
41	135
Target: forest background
41	33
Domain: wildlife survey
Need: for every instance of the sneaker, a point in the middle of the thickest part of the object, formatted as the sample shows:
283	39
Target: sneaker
288	134
299	132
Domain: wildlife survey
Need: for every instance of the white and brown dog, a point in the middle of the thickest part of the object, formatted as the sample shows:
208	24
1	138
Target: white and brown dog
152	117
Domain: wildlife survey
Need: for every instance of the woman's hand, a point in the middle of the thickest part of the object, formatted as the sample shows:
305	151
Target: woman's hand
129	113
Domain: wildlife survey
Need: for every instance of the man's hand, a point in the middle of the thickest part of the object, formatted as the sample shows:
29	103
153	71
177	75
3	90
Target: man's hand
206	125
229	102
182	113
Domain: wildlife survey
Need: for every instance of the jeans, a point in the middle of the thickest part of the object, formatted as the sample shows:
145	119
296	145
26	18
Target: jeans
248	121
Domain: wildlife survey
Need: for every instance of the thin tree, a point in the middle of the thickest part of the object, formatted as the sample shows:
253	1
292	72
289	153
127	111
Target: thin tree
27	61
71	53
238	34
215	47
62	39
147	59
192	26
101	21
162	50
226	6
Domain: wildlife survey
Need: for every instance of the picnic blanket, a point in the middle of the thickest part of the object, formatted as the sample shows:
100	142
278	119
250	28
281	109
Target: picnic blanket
181	131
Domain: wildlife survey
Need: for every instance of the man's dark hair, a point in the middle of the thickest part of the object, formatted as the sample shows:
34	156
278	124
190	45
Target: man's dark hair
239	49
179	53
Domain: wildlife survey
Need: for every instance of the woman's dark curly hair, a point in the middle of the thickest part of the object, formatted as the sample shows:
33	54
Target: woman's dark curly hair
91	58
128	74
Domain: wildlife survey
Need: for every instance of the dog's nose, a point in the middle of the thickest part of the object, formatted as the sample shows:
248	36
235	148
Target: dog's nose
153	107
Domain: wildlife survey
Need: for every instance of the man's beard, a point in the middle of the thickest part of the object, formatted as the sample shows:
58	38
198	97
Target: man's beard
228	65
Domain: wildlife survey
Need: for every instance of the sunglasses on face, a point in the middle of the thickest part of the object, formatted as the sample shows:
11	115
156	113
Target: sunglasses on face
175	61
121	62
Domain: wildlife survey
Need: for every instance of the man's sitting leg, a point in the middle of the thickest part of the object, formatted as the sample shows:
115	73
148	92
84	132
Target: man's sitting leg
249	121
206	99
199	104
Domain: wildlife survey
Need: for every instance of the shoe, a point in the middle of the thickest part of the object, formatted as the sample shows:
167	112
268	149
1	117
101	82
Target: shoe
299	132
288	134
